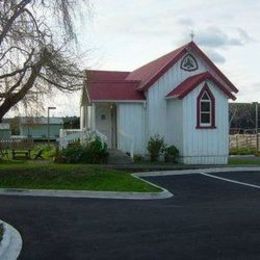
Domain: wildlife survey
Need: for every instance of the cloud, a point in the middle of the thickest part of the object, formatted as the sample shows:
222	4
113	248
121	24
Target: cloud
214	40
185	21
244	35
214	37
215	56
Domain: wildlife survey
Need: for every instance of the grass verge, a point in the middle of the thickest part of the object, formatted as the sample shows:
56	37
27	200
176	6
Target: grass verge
244	161
69	177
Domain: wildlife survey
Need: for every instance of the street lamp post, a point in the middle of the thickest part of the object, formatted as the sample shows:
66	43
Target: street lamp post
256	125
48	123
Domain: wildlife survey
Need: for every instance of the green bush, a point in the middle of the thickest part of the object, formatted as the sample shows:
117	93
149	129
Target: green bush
155	147
95	152
138	158
71	154
92	152
49	151
171	154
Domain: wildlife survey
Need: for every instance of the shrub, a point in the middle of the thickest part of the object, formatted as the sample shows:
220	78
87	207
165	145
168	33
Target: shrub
71	154
171	153
155	147
95	152
49	151
91	152
138	158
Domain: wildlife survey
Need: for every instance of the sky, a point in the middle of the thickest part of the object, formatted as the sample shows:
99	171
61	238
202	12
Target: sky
125	34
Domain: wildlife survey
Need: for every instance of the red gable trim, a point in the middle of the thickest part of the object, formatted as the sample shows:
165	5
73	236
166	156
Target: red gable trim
213	66
192	82
163	70
163	64
152	71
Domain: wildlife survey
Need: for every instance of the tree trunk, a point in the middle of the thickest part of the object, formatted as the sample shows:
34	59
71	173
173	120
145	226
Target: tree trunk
15	98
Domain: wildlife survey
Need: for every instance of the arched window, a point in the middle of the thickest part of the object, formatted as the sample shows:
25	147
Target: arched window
205	109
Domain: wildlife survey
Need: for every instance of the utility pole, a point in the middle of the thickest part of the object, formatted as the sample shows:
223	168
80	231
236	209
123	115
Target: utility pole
256	125
48	123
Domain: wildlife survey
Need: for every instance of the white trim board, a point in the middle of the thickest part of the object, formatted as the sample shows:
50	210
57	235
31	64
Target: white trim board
230	180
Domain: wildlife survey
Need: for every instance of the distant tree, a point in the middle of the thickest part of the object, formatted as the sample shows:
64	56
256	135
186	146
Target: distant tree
72	122
242	115
36	49
15	125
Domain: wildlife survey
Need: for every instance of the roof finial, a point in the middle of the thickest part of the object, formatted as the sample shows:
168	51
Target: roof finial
192	35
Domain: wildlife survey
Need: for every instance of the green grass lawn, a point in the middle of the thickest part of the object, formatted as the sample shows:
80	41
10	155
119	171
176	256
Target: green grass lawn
48	175
244	161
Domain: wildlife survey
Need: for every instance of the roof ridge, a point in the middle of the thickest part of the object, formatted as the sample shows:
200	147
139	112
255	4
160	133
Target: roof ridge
114	81
114	71
163	56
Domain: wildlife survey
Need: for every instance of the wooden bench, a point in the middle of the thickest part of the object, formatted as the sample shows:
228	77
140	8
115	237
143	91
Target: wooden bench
4	146
21	148
18	154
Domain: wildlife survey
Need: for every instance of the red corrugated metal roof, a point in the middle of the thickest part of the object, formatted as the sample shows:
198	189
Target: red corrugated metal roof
114	91
150	72
192	82
144	77
94	75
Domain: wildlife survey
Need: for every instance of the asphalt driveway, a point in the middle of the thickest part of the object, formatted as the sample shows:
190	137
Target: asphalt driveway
206	219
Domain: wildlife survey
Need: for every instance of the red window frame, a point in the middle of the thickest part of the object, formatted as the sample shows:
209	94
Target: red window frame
211	124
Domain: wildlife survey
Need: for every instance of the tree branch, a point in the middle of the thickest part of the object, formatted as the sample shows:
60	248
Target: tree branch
19	9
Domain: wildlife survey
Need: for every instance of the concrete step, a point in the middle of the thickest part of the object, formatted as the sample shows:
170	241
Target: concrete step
118	157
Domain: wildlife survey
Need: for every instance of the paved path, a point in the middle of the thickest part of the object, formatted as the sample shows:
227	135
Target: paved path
206	219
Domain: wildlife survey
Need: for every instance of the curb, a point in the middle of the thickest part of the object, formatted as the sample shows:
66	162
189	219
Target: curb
195	171
164	194
11	244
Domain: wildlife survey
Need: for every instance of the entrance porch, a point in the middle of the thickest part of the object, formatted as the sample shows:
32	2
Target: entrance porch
101	117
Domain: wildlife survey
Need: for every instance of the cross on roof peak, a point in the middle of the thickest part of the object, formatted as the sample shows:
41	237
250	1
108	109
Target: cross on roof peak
192	35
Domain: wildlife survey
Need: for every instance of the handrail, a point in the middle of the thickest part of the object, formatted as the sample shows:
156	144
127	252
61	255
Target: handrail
68	136
102	137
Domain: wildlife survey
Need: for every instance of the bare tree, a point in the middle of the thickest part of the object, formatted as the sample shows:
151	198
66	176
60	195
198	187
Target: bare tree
36	50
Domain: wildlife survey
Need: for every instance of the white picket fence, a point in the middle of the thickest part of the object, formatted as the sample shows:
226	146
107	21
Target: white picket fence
68	136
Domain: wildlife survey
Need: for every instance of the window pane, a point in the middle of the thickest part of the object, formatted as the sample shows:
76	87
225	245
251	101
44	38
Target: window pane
205	118
205	106
205	96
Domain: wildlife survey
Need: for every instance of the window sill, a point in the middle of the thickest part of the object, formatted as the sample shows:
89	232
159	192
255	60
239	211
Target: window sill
206	127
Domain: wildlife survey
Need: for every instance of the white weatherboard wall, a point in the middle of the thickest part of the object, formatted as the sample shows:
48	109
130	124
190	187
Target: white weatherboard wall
156	102
174	134
205	146
131	121
176	120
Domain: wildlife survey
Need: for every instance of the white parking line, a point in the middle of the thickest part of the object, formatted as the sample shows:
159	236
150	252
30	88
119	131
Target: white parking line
229	180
